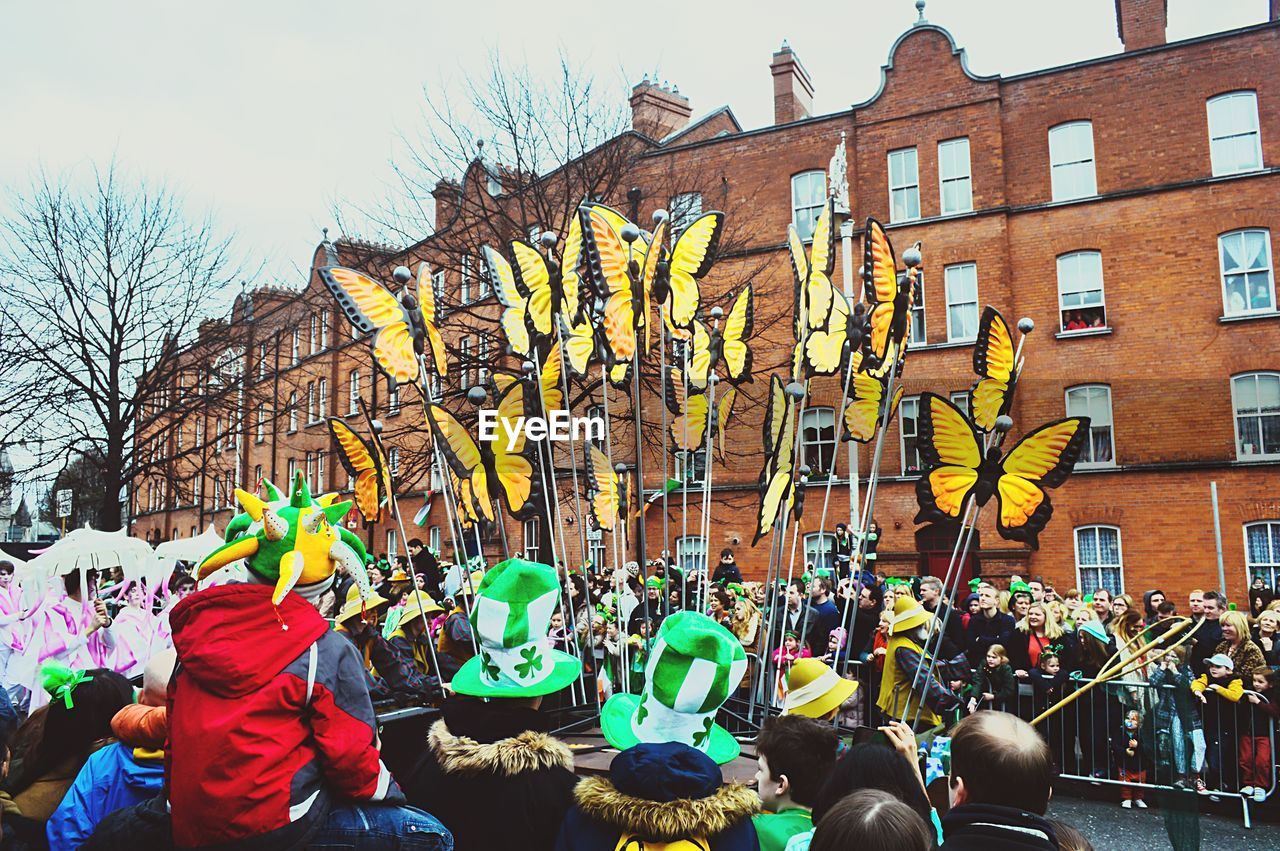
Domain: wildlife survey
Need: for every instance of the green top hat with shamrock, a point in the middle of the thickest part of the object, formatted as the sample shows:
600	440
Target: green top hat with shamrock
694	665
510	617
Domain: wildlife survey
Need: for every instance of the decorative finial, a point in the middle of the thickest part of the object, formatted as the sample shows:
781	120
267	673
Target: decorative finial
786	45
325	231
920	9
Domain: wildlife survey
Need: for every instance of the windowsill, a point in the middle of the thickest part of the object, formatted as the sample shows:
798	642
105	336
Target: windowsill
1084	332
1239	172
1245	317
1109	467
292	431
394	413
1257	459
949	344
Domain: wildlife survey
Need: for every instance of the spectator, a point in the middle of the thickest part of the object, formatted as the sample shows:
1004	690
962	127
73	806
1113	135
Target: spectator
1208	635
1260	596
1179	733
1034	634
1245	655
1102	605
427	566
1151	601
843	551
1071	600
795	755
1069	839
824	616
1267	636
496	753
989	626
931	598
1047	681
1166	611
1255	741
1195	603
416	675
870	605
727	569
994	686
1001	780
124	773
456	643
651	608
1036	587
1130	758
1219	690
872	819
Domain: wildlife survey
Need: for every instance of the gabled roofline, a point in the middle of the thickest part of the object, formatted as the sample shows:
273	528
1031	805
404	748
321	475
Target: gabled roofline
723	110
921	26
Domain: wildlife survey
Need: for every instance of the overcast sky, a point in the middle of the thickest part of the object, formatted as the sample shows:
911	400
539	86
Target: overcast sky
265	113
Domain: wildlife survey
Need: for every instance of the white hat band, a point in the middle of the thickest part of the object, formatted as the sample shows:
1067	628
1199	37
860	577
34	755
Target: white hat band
813	690
662	724
524	665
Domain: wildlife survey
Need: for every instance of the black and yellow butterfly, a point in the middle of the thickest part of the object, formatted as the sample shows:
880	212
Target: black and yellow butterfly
579	344
610	491
826	347
890	297
692	256
812	273
624	291
865	409
518	302
693	415
730	341
365	462
777	482
509	465
993	361
698	356
955	469
402	327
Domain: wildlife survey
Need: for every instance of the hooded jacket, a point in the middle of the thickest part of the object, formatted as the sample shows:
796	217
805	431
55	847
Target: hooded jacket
660	794
492	775
269	720
122	774
985	827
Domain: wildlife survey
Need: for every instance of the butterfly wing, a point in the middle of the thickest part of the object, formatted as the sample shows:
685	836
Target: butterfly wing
1042	459
357	459
533	277
605	489
692	256
431	320
579	344
461	454
724	411
800	274
880	277
993	362
549	381
822	260
776	480
367	304
824	347
512	460
862	414
774	415
734	348
692	414
699	355
394	354
607	263
513	301
951	453
570	278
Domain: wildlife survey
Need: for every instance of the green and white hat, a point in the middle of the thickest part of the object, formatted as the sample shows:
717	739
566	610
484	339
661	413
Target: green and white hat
695	664
510	617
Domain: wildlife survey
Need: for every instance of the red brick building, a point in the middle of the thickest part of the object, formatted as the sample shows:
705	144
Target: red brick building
1127	204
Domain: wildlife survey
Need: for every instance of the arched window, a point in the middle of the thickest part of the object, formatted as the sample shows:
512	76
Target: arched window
808	194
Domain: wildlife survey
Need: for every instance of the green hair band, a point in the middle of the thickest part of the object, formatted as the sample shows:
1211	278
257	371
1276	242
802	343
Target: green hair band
60	681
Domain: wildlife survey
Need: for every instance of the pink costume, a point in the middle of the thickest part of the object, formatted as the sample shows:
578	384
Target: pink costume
58	634
12	630
134	631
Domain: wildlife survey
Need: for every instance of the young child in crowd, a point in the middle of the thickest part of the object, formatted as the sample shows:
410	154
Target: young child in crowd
995	686
880	642
1255	738
783	658
1219	690
1130	759
1178	730
1047	679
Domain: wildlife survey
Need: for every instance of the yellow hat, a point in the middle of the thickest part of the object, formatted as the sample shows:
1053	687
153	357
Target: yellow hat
418	605
353	606
814	689
908	614
468	588
398	575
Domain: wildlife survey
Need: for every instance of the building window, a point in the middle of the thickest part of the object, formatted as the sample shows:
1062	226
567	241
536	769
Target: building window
808	195
293	469
320	459
219	436
293	411
393	399
1234	142
691	553
257	476
468	367
1247	284
819	550
597	553
437	284
310	469
1262	551
1256	399
961	400
197	488
314	328
917	331
391	544
324	330
1094	401
311	401
904	186
531	537
199	433
691	467
685	210
596	412
437	478
1099	563
260	430
1071	161
177	437
433	539
955	181
464	290
908	415
353	392
322	397
295	344
437	387
818	439
483	371
393	460
262	361
1081	304
962	302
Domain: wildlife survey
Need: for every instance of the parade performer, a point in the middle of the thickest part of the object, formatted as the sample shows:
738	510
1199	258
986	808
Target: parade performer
493	756
134	630
74	631
411	641
454	644
814	690
182	585
390	670
904	656
13	629
272	735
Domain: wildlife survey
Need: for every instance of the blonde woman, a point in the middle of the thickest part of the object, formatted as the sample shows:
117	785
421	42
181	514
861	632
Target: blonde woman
1035	634
1237	645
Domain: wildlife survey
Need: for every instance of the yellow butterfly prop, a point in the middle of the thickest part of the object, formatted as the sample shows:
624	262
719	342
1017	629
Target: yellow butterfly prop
692	257
730	345
776	483
955	469
570	286
890	298
579	344
551	397
364	461
698	355
622	276
610	500
693	414
813	274
825	347
863	413
400	327
514	301
993	361
464	500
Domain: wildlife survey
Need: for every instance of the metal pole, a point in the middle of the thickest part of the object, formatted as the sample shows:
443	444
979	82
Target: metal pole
1217	538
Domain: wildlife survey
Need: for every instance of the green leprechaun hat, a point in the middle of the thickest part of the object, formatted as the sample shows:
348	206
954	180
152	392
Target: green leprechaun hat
694	666
510	617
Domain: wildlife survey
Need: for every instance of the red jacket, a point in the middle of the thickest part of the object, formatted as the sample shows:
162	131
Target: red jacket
266	725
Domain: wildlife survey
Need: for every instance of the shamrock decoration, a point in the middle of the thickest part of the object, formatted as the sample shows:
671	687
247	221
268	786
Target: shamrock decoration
490	669
700	739
642	711
532	662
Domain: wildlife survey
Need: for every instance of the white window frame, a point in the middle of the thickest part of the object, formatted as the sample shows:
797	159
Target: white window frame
482	355
293	412
438	284
311	403
1086	393
393	400
597	551
685	209
1268	269
353	392
464	286
906	186
466	368
262	361
1067	168
814	418
531	532
392	550
814	547
962	399
1236	382
691	464
691	553
324	330
1071	272
917	313
320	464
393	460
950	150
956	269
295	346
322	398
805	208
260	430
310	470
433	539
313	328
908	403
1096	582
199	432
1271	529
1237	137
437	475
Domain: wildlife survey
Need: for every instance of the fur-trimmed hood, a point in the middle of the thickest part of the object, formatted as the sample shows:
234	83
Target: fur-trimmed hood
666	821
526	752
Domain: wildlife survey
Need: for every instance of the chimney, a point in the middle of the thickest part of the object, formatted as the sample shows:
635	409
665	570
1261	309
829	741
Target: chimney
1273	10
792	88
657	111
1141	23
448	197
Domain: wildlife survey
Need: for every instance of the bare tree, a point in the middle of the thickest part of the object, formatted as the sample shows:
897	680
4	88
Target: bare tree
104	288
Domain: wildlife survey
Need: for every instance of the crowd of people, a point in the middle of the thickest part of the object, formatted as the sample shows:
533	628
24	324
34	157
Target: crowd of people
170	717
